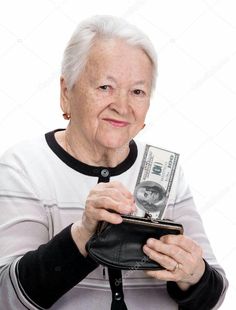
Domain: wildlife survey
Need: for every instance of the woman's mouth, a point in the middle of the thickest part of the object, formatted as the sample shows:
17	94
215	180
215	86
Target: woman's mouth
116	123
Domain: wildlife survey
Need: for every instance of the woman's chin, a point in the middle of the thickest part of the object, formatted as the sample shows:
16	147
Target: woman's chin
114	142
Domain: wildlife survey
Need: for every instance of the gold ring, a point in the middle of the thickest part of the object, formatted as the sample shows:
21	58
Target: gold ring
176	267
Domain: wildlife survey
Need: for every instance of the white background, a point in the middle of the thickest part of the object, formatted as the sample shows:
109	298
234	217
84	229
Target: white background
193	111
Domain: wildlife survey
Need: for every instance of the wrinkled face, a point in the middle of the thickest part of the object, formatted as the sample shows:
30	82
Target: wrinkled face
109	102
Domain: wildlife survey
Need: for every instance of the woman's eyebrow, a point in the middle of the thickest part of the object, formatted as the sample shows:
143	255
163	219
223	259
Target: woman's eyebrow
111	78
139	82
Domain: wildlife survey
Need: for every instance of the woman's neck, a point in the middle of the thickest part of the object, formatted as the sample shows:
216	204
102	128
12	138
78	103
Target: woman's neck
90	153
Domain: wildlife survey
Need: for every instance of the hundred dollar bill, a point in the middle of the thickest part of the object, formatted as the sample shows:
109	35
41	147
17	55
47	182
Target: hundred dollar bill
154	182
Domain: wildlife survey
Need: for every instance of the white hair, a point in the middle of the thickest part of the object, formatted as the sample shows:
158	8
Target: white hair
102	27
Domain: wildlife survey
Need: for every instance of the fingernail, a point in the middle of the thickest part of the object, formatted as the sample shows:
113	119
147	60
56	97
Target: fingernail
150	242
118	219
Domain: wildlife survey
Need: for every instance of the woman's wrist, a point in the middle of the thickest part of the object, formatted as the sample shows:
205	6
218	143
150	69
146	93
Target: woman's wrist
183	286
80	236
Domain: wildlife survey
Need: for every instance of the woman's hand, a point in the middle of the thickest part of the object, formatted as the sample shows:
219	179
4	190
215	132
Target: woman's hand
105	202
180	256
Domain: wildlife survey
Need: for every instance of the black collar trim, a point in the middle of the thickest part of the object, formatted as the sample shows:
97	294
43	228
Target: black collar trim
88	169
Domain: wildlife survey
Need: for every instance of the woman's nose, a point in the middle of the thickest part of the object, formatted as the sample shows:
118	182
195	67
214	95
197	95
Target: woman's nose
121	103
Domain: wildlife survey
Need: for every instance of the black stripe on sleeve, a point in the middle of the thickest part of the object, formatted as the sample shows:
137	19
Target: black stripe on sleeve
53	269
203	295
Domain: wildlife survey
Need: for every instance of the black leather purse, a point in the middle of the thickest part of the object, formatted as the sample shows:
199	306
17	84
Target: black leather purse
120	246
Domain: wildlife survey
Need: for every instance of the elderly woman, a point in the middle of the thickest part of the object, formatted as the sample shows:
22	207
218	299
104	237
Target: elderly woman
79	175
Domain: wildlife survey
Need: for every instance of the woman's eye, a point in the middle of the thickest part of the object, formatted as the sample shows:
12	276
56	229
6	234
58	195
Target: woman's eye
105	87
139	92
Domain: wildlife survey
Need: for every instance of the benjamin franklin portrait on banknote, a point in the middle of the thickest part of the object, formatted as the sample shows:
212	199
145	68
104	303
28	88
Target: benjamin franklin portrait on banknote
149	196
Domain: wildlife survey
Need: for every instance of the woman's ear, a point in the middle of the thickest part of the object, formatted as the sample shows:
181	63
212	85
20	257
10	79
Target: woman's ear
64	96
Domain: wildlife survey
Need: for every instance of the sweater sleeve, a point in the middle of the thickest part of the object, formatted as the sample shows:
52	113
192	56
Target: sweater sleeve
35	270
202	296
210	291
44	275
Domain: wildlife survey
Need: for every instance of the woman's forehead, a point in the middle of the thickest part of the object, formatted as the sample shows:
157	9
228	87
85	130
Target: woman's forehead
115	49
115	59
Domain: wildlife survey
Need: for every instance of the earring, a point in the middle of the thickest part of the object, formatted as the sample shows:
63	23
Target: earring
66	116
143	126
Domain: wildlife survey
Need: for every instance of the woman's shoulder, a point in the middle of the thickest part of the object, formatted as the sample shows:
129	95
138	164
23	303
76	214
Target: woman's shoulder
27	150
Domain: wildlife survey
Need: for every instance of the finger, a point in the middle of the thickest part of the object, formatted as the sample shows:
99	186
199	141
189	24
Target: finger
104	215
121	188
108	203
182	241
114	193
173	251
164	275
177	276
187	262
164	260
